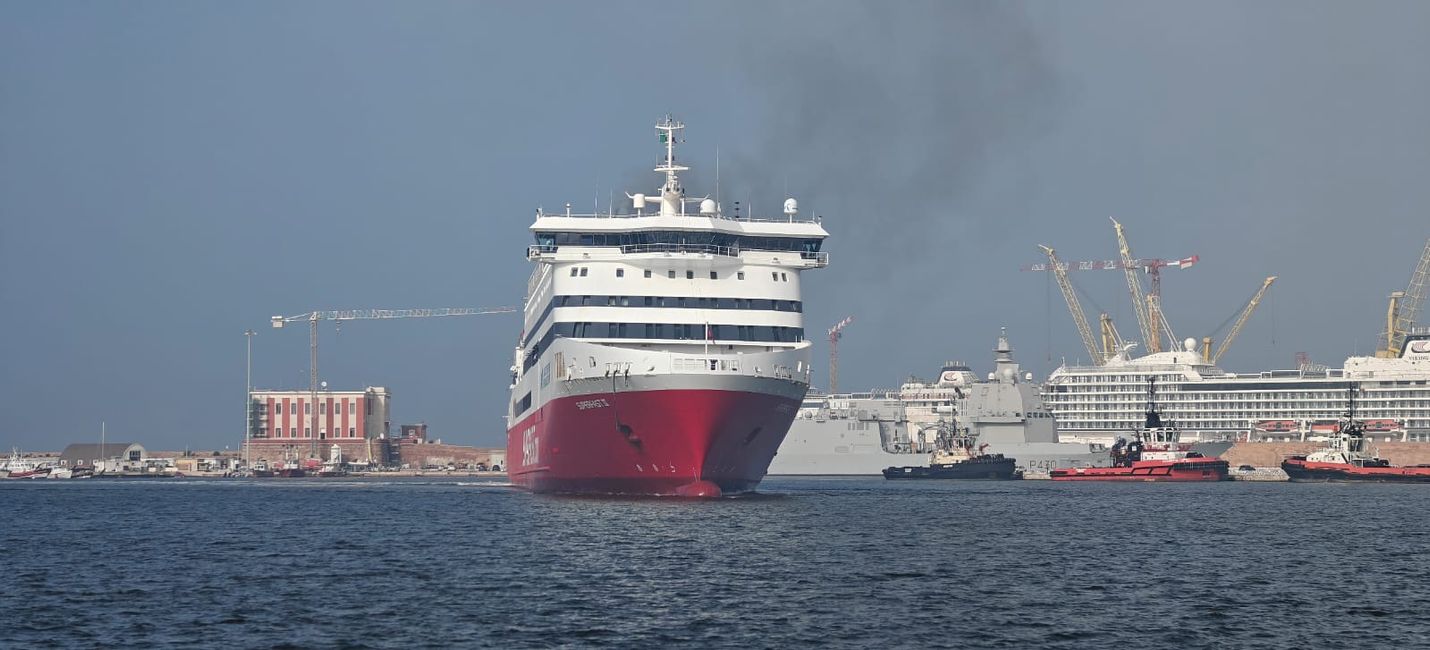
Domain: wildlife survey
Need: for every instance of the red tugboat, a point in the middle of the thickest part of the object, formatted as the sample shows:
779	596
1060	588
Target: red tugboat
1156	453
1345	458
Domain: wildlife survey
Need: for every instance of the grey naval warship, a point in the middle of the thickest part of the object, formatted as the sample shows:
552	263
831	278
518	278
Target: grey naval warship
863	433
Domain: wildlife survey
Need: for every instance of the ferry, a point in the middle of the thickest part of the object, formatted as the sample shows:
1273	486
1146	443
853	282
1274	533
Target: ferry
663	349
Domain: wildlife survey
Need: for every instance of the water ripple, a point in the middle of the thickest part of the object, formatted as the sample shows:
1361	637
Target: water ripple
829	563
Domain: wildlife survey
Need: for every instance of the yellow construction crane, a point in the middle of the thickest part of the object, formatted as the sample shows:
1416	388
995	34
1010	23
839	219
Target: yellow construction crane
1074	307
1240	321
313	317
1405	308
1147	326
1112	343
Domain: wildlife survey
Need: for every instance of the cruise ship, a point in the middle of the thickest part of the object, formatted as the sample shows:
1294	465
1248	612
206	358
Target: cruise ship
663	350
863	433
1097	403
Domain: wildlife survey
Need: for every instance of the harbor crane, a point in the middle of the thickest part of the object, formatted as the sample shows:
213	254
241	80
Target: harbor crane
836	333
1112	342
1148	307
1405	308
1240	321
313	318
1074	307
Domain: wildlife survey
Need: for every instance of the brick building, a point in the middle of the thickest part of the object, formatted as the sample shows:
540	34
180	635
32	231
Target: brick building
282	419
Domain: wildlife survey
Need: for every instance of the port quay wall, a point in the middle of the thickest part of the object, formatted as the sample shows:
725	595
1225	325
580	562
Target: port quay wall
402	452
1270	454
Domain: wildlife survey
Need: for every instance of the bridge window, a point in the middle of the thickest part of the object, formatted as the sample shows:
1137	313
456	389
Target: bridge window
714	275
647	272
690	275
740	275
620	273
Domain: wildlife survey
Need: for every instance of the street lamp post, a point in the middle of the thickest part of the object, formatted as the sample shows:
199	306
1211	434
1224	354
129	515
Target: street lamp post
248	403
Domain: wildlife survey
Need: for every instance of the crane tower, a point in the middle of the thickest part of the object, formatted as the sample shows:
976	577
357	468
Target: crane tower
313	317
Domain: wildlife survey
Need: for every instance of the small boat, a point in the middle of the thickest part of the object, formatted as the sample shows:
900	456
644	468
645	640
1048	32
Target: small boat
17	467
61	473
1156	453
955	458
1345	458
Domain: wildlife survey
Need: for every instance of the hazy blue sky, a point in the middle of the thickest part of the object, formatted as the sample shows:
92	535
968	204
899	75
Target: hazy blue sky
172	173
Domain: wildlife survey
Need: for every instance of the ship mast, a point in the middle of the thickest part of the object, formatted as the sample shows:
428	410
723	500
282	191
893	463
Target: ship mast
672	195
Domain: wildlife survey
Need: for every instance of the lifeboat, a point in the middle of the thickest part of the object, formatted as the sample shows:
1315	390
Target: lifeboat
1325	427
1382	425
1345	458
1156	453
1276	426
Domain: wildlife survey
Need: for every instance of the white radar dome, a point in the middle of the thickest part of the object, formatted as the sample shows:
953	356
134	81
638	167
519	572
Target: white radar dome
707	206
1190	345
791	206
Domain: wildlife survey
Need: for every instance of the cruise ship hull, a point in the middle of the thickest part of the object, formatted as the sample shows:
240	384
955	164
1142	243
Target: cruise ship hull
678	442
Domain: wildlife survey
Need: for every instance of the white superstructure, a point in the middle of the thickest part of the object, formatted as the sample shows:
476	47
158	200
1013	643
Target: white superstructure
1097	403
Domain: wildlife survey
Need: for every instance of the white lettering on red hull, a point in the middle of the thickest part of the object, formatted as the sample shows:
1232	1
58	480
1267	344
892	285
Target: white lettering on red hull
592	404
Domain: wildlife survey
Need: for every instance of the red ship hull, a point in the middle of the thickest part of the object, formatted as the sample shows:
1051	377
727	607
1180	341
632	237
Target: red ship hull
1301	470
682	442
1186	470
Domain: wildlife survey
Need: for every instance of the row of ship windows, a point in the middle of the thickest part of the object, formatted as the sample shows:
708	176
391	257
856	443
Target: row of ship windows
664	331
583	271
680	331
679	238
1202	400
677	301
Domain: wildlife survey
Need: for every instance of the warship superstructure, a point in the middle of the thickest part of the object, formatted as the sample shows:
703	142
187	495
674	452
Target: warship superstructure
863	433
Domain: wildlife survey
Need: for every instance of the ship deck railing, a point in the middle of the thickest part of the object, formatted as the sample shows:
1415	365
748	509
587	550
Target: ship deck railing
820	258
723	217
